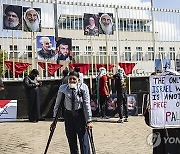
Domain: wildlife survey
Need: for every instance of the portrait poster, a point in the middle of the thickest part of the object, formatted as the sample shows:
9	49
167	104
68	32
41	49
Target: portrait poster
106	24
45	46
94	106
132	104
31	19
91	24
63	49
12	17
158	65
165	101
166	63
111	106
177	65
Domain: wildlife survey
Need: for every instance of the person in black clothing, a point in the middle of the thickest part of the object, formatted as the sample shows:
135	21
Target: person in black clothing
121	90
32	94
2	94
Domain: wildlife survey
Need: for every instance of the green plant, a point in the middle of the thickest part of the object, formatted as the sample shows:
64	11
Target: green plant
3	57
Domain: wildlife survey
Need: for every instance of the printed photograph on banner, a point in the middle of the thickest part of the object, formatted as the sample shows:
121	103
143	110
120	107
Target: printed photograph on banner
111	106
166	64
158	65
94	106
12	17
132	104
177	65
63	49
31	19
91	24
106	24
46	48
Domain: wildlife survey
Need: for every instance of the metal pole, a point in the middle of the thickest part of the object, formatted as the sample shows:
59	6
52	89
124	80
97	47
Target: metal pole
117	36
55	19
13	59
153	30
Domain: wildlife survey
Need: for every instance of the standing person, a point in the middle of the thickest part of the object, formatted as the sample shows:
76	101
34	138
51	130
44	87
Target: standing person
91	28
32	94
2	94
77	113
31	20
65	77
46	52
77	69
106	24
12	17
103	90
121	90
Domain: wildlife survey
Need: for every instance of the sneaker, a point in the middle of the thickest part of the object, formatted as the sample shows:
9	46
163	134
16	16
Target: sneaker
120	121
125	120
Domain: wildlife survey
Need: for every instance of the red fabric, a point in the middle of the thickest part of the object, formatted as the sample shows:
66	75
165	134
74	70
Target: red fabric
19	67
83	67
51	67
102	88
3	103
128	67
110	66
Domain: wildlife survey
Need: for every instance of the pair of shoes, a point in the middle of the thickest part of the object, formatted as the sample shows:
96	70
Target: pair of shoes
120	121
125	120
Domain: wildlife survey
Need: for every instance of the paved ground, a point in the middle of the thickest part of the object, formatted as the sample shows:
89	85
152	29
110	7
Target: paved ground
23	137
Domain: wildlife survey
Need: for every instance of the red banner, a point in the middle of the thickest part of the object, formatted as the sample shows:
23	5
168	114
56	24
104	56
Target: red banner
110	66
19	67
83	67
128	67
52	68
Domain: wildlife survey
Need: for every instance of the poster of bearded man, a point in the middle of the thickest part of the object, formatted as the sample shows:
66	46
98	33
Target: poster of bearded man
31	19
12	17
106	25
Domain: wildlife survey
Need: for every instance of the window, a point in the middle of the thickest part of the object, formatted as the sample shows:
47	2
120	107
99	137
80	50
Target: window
138	48
172	55
161	48
75	48
0	47
127	48
171	48
102	48
139	56
88	48
114	48
150	56
29	48
128	56
11	47
150	49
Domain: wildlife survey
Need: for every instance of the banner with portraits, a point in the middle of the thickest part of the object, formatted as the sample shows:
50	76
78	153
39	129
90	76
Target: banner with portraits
31	19
46	48
12	17
132	104
106	24
91	24
64	49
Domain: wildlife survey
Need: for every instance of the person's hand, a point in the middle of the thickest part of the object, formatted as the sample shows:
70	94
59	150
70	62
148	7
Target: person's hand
89	125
